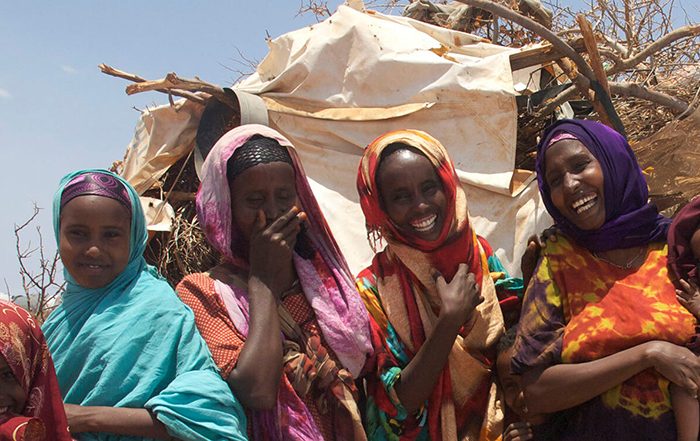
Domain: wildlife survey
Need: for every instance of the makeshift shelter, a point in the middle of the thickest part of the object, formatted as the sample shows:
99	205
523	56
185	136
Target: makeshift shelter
333	87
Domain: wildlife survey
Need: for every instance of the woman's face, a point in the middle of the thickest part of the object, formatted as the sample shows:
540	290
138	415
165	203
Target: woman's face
94	239
576	183
269	188
412	194
12	396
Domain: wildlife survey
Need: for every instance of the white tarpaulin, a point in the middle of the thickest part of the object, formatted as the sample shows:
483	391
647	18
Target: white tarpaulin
333	87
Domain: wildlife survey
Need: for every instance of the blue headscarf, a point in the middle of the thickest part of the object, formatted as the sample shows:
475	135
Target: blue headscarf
630	220
134	344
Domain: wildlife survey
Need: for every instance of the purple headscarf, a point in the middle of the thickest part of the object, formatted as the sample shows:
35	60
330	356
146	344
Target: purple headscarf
96	184
630	220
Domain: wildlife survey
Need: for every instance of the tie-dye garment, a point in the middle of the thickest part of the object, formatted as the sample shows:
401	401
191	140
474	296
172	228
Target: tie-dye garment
579	308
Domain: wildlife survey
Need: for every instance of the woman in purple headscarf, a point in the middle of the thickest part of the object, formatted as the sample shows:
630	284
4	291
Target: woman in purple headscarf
602	335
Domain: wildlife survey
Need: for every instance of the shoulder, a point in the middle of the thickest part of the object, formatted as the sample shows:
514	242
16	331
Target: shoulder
366	278
558	243
196	282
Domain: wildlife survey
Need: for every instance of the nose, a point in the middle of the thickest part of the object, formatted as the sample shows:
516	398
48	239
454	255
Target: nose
273	210
93	250
571	182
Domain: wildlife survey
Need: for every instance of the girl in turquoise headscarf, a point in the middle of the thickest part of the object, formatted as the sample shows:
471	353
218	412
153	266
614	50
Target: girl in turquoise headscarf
130	362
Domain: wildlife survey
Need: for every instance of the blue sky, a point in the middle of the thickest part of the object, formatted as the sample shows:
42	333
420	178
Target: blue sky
58	113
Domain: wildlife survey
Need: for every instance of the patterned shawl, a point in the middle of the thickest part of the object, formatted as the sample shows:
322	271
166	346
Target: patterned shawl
409	298
579	308
134	344
630	220
23	347
680	254
325	278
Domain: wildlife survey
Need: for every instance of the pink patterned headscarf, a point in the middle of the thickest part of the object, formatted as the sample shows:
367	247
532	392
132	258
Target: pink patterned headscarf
340	312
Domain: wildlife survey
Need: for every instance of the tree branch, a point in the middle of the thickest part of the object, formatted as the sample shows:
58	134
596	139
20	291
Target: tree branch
656	46
531	25
172	81
637	91
109	70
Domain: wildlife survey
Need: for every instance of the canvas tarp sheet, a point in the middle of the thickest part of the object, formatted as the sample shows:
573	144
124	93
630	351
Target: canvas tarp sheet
333	87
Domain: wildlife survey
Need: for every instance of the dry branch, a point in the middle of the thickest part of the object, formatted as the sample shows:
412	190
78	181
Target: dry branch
658	45
109	70
172	81
639	91
531	25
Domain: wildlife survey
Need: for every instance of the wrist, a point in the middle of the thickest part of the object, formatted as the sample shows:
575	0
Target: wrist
451	322
649	355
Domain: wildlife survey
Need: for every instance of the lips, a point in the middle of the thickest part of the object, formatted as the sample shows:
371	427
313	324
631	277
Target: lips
584	203
424	224
4	409
93	267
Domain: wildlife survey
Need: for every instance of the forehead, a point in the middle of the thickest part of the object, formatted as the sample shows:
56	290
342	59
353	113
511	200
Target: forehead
565	150
92	209
404	164
264	176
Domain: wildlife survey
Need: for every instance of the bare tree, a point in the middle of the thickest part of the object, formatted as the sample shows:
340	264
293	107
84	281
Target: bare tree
40	287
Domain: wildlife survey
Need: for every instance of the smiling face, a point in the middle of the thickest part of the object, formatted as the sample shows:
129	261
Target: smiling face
94	239
12	396
412	194
268	187
576	183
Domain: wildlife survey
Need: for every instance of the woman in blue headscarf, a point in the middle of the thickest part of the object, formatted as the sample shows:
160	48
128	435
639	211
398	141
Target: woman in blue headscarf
601	334
130	362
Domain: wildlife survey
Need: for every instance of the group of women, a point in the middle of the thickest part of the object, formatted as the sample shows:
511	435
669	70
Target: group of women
281	342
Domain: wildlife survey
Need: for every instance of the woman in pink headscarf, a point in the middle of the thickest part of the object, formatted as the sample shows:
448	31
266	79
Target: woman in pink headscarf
280	315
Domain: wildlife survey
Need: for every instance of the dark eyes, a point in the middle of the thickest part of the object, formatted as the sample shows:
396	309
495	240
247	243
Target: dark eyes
7	376
577	167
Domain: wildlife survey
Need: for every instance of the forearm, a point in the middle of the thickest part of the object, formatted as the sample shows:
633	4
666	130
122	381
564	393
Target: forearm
418	378
118	420
255	379
564	386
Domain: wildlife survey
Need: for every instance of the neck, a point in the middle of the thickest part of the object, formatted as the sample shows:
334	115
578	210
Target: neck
624	257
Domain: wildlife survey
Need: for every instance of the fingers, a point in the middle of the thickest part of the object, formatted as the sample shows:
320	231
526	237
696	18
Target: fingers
292	228
440	282
518	432
290	216
260	223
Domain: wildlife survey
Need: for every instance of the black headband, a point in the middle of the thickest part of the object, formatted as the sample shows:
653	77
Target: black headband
257	150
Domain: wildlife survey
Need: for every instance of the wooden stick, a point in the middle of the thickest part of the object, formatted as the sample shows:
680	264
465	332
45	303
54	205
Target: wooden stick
172	81
592	49
109	70
598	70
558	44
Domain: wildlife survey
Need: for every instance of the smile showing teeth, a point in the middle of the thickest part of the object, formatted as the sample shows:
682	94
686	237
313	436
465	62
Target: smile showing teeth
424	224
4	409
585	203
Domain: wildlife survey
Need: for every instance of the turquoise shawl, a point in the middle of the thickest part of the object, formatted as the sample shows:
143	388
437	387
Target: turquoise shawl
133	343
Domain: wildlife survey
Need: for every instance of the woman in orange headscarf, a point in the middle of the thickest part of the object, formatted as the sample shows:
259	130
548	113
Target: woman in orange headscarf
435	314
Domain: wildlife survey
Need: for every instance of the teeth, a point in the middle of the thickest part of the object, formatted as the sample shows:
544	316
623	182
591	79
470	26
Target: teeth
583	204
424	224
4	409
